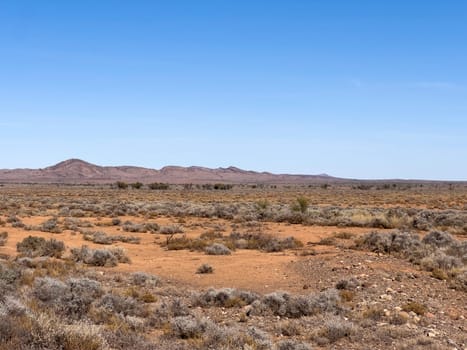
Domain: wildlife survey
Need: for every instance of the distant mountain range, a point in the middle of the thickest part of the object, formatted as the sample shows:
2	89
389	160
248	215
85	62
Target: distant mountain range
76	171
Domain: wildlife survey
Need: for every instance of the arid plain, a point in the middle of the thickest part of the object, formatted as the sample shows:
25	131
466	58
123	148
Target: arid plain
339	265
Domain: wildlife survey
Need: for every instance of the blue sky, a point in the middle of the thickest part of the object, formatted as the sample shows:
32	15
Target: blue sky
361	89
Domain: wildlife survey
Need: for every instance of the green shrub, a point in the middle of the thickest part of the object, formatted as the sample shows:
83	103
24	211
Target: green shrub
121	185
301	205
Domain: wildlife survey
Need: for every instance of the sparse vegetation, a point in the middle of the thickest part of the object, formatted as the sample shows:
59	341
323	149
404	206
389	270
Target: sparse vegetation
159	186
121	185
402	289
144	279
103	238
51	225
416	307
3	238
37	246
217	249
301	205
205	268
437	252
136	185
100	257
170	231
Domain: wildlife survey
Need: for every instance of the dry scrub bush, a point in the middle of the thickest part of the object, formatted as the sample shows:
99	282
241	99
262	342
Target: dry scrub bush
301	205
144	279
202	333
295	306
348	284
72	298
438	239
217	249
436	252
51	226
337	328
3	238
225	297
439	260
167	309
414	306
264	242
292	345
10	305
15	221
33	246
100	257
41	331
188	327
205	268
290	328
259	241
103	238
170	229
75	224
128	226
10	276
398	243
460	281
125	306
423	343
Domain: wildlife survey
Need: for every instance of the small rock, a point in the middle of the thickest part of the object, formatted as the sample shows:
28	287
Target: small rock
452	343
386	297
404	314
247	309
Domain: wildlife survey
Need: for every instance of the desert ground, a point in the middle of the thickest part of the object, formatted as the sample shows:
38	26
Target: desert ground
327	266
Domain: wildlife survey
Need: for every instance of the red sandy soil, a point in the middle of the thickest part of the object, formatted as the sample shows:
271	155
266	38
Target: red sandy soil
245	269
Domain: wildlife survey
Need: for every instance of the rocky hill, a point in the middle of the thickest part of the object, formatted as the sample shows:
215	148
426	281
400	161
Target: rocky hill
79	171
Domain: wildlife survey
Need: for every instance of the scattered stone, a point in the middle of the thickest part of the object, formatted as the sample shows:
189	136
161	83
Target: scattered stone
386	297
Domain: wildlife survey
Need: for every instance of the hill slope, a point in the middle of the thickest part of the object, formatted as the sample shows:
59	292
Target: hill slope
79	171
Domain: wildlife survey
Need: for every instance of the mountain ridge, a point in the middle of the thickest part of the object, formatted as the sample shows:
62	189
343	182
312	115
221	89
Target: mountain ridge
77	171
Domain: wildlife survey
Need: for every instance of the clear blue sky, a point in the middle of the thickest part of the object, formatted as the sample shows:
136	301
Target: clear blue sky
363	89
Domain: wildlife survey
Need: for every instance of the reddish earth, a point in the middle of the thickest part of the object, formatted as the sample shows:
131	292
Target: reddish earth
245	269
